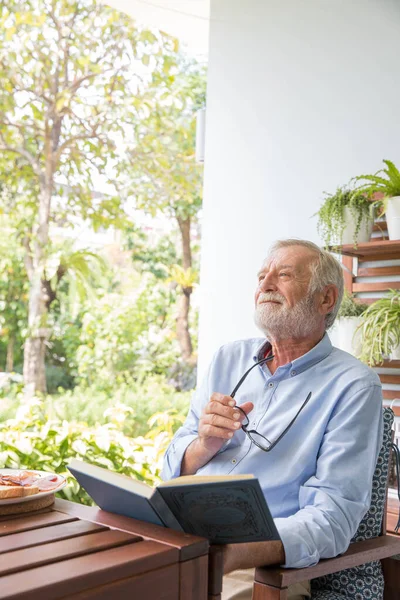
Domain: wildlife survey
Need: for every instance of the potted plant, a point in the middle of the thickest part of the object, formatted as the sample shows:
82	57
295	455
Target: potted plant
380	329
385	185
345	333
345	217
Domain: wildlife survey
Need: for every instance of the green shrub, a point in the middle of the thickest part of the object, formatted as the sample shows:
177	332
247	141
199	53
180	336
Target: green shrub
34	439
127	337
130	405
58	377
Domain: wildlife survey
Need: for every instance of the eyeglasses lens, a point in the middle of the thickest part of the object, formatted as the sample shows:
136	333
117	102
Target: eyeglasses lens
259	439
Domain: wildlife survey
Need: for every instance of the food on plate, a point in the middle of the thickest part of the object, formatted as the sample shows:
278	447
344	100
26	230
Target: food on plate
50	482
23	478
17	491
26	483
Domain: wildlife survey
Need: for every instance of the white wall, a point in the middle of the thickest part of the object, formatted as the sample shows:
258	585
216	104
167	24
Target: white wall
302	95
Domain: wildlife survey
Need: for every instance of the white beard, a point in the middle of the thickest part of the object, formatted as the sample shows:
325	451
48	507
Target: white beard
279	321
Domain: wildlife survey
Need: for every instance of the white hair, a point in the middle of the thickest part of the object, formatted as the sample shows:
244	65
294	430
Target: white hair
325	270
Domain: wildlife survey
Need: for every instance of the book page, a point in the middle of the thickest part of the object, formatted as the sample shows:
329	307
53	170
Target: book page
189	479
116	479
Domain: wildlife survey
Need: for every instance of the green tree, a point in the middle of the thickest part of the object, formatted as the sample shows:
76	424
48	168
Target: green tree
69	77
165	177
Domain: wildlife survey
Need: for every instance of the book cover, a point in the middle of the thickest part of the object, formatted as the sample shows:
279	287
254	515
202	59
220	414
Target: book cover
224	512
116	493
224	509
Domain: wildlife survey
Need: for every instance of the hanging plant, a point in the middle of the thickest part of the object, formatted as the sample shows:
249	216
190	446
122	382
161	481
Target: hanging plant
331	215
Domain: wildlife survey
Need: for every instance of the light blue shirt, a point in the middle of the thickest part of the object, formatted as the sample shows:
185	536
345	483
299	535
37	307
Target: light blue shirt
317	480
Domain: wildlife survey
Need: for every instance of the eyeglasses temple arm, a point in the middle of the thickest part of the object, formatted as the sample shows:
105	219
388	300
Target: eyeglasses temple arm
291	423
264	360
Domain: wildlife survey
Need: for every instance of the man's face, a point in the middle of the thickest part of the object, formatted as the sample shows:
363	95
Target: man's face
284	308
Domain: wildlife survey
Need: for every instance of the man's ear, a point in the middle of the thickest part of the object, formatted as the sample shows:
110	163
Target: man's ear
328	299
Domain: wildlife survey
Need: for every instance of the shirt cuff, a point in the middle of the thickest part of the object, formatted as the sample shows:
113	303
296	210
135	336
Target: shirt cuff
173	460
298	552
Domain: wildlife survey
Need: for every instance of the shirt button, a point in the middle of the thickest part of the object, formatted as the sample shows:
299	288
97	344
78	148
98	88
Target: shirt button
233	461
270	384
293	373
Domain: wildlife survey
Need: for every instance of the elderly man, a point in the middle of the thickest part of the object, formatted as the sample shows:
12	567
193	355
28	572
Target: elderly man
317	476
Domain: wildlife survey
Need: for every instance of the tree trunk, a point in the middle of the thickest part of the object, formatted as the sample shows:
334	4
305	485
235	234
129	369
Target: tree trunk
182	321
182	325
10	354
35	345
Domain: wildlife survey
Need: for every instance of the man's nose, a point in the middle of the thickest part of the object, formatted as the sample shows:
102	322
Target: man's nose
268	283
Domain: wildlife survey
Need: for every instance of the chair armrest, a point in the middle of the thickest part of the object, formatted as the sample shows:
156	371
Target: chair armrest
357	554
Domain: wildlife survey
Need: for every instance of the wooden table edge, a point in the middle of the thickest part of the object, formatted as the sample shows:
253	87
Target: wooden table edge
189	546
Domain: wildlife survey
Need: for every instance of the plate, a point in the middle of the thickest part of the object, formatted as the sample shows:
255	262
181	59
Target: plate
62	483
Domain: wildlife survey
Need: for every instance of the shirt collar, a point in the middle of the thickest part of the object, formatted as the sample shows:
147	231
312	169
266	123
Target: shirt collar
312	357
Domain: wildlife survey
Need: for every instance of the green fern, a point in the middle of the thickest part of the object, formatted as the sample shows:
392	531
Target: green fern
387	186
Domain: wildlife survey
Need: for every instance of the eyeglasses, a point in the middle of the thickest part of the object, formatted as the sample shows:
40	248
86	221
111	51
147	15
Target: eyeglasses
257	438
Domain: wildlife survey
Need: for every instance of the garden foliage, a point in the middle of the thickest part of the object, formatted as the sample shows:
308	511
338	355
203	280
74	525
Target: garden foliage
38	437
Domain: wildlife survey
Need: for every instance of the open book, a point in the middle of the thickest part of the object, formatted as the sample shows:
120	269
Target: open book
224	509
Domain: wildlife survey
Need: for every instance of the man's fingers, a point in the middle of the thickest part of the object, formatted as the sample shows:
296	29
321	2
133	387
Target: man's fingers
221	418
218	421
226	400
214	407
247	407
218	432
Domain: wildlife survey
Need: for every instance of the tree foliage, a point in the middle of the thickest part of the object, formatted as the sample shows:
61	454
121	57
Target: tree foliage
163	166
69	88
164	173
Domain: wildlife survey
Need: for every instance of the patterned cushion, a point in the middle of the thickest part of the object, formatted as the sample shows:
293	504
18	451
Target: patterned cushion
366	581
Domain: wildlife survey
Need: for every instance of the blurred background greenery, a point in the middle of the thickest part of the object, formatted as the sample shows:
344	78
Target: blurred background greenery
100	200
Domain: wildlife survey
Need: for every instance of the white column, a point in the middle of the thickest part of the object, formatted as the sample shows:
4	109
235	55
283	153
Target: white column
302	96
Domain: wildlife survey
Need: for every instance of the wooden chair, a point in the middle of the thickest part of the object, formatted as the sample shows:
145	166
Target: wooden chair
364	572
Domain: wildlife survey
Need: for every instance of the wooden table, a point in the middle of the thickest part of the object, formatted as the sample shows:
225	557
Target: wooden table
73	551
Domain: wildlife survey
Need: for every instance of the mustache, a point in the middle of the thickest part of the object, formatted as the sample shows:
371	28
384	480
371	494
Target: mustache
274	296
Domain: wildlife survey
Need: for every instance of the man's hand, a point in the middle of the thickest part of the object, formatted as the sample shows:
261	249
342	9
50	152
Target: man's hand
219	421
217	424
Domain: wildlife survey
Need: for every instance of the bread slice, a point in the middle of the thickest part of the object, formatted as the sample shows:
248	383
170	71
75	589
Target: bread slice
17	491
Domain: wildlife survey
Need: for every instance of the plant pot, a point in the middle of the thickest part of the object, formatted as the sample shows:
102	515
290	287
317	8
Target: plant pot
343	335
364	233
395	355
393	217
